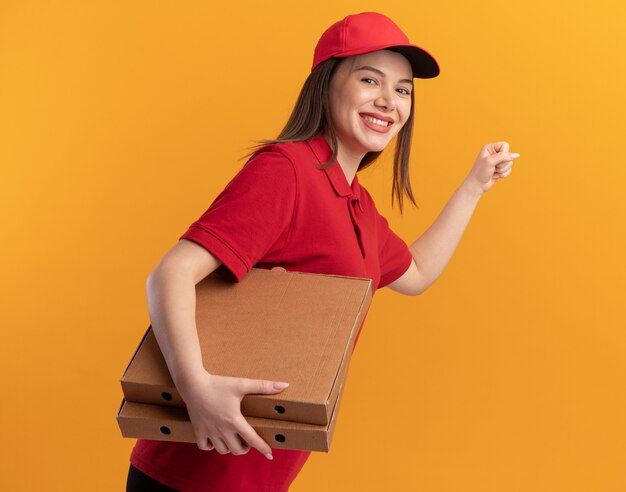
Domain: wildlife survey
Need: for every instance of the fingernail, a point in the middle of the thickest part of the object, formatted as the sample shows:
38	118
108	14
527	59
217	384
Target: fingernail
269	456
280	386
514	154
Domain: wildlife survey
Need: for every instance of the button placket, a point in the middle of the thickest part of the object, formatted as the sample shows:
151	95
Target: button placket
353	203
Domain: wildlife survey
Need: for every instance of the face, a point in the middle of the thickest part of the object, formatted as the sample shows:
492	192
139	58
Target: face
370	100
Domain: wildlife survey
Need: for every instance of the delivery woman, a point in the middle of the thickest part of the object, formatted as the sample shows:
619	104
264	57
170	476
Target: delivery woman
297	203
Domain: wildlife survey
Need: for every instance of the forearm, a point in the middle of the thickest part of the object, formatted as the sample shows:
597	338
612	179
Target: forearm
434	248
172	306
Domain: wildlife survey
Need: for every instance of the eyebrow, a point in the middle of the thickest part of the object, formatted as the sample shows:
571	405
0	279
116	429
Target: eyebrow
382	74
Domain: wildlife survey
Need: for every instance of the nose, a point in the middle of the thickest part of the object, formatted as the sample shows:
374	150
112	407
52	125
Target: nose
386	99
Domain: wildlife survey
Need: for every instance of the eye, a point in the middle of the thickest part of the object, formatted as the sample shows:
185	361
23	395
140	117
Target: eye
406	92
369	80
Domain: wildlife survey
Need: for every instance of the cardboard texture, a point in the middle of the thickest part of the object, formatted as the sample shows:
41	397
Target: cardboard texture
167	423
276	325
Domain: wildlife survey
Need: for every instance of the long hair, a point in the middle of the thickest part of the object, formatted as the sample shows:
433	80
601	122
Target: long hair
311	116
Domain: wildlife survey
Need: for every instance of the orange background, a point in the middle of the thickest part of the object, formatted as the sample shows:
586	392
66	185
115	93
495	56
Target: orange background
121	121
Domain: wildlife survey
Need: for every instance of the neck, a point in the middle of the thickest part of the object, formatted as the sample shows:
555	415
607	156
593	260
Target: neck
348	160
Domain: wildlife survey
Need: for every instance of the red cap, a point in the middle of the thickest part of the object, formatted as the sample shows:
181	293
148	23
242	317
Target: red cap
370	31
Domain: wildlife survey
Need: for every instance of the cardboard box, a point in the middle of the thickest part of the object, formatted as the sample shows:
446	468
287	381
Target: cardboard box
276	325
167	423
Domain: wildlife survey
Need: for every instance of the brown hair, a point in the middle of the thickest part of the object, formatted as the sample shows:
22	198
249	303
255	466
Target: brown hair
311	116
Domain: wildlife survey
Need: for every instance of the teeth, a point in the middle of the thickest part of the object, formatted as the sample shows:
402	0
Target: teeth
376	121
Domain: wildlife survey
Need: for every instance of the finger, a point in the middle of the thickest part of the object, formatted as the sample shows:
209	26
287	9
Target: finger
219	444
202	441
205	444
501	175
502	157
247	432
244	443
501	146
505	173
504	166
235	443
259	386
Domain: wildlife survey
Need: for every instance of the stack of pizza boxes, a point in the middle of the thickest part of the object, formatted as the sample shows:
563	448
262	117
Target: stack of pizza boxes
275	325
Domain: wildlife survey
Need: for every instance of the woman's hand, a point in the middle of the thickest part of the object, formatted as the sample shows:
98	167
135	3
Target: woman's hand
494	162
214	407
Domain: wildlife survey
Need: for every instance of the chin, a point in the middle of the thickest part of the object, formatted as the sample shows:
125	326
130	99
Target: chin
377	149
373	147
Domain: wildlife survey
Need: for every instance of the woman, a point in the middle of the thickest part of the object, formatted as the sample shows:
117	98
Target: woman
297	203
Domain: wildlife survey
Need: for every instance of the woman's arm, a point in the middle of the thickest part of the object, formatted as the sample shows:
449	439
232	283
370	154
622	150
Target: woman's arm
213	402
433	249
172	305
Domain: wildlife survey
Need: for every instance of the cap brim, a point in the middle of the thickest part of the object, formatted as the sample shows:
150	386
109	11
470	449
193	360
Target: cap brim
423	64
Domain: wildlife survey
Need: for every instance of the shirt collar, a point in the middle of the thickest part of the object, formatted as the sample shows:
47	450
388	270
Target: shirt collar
335	173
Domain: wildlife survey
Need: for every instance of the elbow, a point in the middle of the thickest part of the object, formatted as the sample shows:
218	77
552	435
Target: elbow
161	269
412	290
153	277
150	282
420	287
417	291
411	283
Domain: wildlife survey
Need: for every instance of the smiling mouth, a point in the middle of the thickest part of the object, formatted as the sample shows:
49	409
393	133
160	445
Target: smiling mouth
376	121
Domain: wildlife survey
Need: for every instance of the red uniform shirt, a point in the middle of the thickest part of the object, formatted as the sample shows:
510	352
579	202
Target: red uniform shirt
279	210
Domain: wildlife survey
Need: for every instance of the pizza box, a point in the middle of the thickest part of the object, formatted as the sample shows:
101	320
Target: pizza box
273	324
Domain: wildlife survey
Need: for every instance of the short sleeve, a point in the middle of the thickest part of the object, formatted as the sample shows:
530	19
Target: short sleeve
393	253
251	216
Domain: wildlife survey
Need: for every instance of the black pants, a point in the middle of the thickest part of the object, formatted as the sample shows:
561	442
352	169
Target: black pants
138	481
